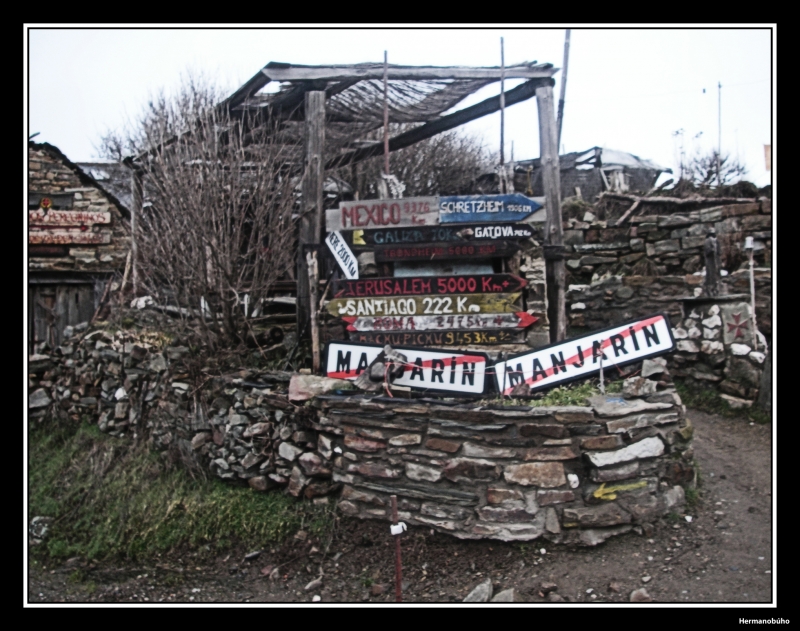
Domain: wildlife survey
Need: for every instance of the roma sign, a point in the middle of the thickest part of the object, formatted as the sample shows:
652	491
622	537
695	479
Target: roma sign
487	208
578	358
426	369
383	213
424	305
518	320
417	286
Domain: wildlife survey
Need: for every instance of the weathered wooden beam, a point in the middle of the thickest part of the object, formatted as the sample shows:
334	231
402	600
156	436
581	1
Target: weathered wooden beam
310	224
277	71
445	123
555	270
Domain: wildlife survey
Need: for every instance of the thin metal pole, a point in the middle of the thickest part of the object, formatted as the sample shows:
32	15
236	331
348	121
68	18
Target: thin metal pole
502	105
753	299
398	562
719	131
563	86
386	112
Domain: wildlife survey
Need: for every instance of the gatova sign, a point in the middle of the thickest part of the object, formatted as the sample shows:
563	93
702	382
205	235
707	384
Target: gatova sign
441	234
580	357
487	208
343	255
426	369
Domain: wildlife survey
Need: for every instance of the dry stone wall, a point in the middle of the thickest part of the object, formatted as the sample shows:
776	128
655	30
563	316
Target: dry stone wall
572	474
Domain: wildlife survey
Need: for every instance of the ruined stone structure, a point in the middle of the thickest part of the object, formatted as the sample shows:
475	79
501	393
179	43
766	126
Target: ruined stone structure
78	239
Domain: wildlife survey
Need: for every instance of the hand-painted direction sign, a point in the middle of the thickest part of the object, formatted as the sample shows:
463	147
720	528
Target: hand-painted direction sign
424	305
383	213
438	338
66	218
487	208
343	255
417	286
444	251
441	234
427	369
518	320
67	236
580	357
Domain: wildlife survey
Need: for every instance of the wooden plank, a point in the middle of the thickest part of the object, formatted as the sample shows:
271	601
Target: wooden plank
438	338
441	234
579	358
424	305
469	322
426	368
428	285
380	213
487	208
67	236
67	218
555	269
310	223
442	124
445	251
278	71
342	254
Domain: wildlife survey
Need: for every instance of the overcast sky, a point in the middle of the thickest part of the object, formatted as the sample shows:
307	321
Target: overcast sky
629	89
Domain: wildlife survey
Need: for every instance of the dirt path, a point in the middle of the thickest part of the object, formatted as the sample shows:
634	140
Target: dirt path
723	555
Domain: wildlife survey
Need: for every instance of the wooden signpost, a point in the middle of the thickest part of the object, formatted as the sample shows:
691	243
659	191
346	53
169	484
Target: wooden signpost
67	218
440	234
428	285
518	320
67	236
383	213
445	251
439	338
580	357
425	305
487	208
425	369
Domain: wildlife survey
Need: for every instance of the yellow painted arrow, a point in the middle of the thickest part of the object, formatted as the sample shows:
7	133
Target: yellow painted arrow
610	493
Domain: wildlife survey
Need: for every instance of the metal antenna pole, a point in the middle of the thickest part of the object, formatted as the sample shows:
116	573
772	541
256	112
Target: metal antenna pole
386	112
502	116
719	123
563	87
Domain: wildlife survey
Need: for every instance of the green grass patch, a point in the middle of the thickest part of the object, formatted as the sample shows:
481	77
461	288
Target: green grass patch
109	498
569	395
708	400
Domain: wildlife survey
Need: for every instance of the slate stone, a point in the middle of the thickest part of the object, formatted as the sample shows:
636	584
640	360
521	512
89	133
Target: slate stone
546	498
440	444
543	474
470	469
507	596
608	514
406	439
619	407
481	594
39	399
596	536
647	448
288	451
481	451
422	473
363	444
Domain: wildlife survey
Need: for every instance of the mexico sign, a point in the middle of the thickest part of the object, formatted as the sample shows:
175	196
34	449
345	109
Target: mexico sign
581	357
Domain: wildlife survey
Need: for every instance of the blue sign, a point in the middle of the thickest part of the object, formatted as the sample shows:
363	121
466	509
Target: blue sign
486	208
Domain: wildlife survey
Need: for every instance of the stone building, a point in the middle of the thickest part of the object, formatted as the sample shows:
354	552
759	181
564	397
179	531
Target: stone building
78	241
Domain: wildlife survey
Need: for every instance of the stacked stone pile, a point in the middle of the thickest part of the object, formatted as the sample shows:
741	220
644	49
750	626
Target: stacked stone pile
572	474
668	245
240	427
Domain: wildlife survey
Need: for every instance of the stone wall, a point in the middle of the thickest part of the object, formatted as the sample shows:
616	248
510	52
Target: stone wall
573	474
50	172
239	427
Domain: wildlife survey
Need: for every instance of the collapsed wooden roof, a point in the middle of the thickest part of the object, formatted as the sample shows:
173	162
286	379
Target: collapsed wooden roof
418	96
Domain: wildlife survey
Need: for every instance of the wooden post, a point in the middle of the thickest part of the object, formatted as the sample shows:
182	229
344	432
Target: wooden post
563	88
554	234
136	209
386	112
311	222
313	282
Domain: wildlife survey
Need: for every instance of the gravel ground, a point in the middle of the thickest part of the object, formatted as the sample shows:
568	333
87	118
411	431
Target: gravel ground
723	555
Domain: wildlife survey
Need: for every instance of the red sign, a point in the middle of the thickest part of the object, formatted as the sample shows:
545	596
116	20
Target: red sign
428	285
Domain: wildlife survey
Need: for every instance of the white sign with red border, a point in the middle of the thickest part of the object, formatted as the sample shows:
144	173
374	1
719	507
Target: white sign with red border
580	357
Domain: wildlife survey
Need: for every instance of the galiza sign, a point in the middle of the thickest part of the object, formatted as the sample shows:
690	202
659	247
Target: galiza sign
426	369
580	357
343	255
